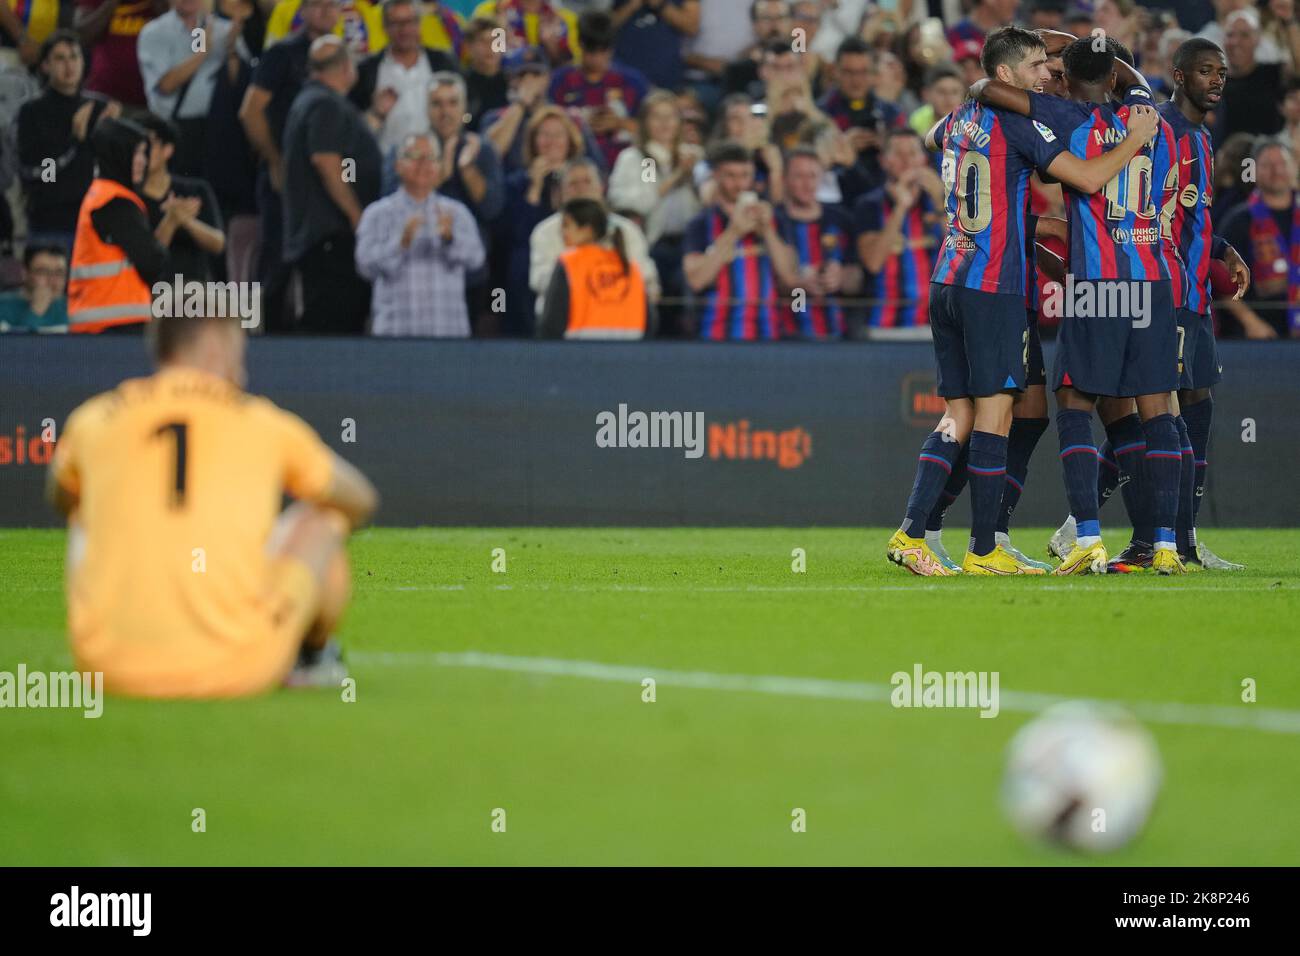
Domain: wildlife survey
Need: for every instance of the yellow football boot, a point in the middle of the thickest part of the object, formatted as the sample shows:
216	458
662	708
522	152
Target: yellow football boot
915	555
1084	560
997	561
1165	561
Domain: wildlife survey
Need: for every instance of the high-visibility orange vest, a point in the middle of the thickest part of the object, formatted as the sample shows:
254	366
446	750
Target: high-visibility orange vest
103	287
604	301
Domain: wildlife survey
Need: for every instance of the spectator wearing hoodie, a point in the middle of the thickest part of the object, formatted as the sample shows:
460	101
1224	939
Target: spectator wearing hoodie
116	255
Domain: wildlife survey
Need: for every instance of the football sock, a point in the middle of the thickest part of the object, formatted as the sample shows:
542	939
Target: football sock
951	491
1021	442
1186	491
987	473
933	469
1198	418
1108	474
1164	458
1079	464
1129	445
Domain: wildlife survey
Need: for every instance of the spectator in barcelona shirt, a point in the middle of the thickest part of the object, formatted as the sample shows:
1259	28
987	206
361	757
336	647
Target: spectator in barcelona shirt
485	79
417	248
735	257
606	94
179	81
109	30
900	229
821	239
392	85
55	161
323	199
1266	230
275	84
985	16
651	34
25	24
536	23
360	24
441	28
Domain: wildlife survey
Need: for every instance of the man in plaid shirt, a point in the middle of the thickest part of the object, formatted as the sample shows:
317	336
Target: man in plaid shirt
416	247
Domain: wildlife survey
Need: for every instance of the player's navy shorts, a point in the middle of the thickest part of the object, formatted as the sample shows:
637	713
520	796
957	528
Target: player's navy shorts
1187	342
1202	362
1131	352
980	340
1035	370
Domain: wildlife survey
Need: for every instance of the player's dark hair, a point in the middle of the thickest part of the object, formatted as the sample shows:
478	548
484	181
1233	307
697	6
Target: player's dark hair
729	151
596	31
1120	51
853	46
1008	45
169	334
61	35
591	214
1189	49
1085	64
31	252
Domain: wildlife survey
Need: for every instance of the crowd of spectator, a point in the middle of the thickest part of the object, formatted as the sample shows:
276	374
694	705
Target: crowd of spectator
725	169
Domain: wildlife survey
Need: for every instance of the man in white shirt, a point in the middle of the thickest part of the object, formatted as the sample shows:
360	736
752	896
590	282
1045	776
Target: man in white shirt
581	180
393	85
180	53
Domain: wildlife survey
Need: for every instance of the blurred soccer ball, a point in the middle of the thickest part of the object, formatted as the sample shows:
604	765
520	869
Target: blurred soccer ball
1082	775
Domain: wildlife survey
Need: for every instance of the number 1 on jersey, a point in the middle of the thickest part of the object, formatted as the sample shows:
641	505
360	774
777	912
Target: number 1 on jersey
179	430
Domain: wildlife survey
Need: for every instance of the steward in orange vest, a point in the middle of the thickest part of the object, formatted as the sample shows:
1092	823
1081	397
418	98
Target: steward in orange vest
115	257
595	291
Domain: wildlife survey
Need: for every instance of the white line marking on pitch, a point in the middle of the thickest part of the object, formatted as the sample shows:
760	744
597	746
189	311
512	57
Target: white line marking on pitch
792	588
1247	717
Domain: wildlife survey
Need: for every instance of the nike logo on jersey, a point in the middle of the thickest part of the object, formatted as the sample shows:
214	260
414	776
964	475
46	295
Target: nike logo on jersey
1188	162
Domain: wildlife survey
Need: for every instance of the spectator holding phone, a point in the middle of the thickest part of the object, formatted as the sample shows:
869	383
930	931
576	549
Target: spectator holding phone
735	256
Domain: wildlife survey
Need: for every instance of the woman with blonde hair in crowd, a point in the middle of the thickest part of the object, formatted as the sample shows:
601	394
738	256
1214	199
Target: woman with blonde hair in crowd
551	139
653	181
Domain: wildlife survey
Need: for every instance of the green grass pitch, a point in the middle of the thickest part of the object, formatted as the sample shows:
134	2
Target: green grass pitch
709	773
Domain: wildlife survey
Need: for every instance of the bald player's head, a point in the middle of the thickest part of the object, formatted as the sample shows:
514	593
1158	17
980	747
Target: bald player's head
329	62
